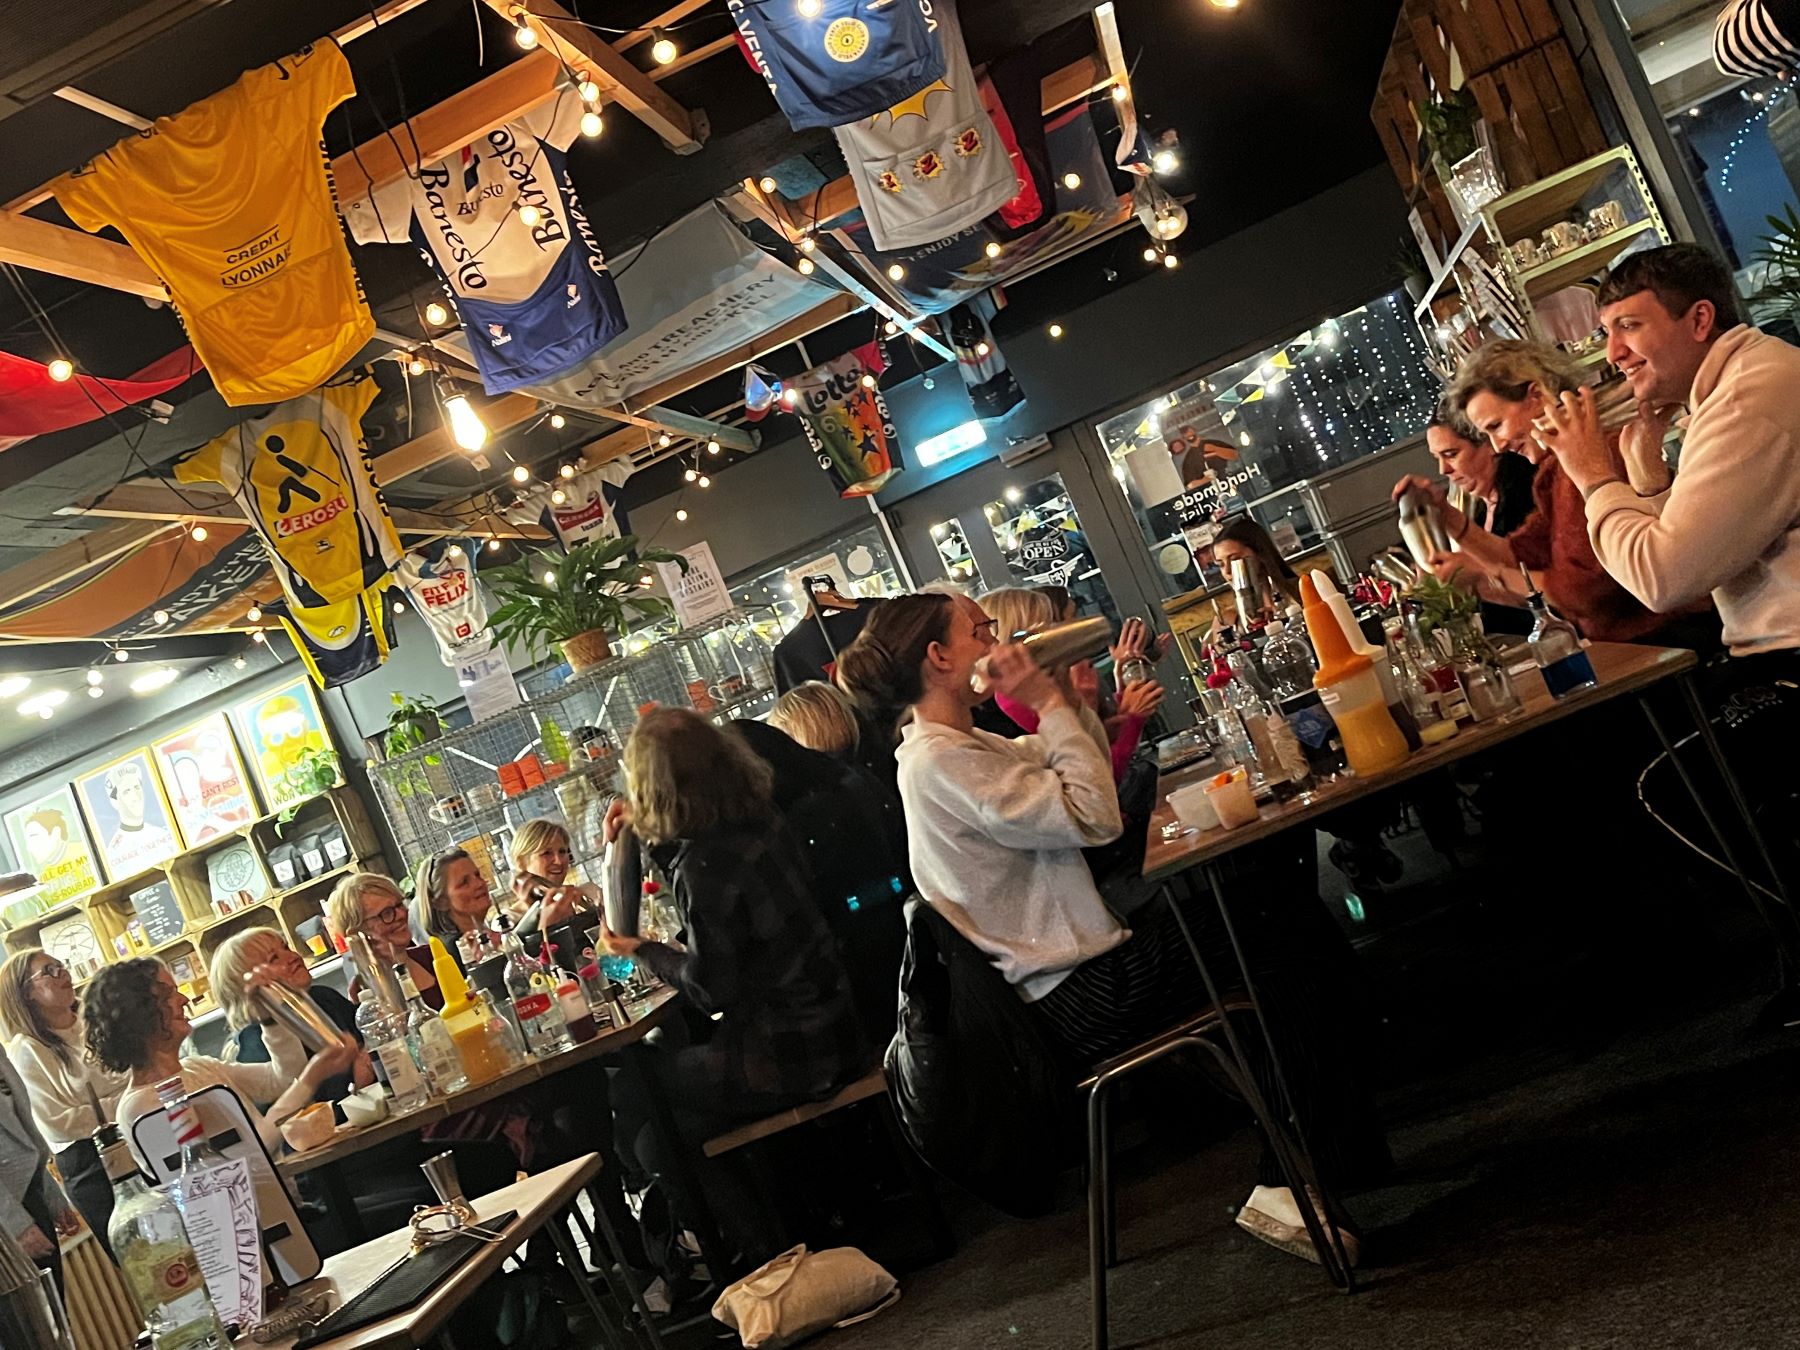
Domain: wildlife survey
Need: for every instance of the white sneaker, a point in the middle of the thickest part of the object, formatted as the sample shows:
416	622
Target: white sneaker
1270	1215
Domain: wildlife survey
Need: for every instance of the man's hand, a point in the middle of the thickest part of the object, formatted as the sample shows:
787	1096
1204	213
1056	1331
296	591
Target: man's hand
1641	447
1570	429
1012	671
1454	569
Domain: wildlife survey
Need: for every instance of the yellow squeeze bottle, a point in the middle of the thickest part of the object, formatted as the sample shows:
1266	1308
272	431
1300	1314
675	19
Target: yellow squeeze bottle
483	1059
1350	690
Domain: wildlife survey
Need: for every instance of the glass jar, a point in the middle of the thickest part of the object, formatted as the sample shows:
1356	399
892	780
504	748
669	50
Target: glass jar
1480	671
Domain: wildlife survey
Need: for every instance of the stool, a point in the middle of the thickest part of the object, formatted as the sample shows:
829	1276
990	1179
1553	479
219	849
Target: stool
872	1085
1103	1246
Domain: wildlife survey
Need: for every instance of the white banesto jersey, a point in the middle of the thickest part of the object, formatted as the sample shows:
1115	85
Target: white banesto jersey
536	299
932	164
445	594
589	509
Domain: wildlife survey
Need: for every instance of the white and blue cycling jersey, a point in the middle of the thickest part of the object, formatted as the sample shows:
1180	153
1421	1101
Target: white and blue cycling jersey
851	60
502	225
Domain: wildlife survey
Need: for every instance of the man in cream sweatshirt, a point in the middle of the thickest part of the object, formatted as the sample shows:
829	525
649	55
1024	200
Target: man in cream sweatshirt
1730	522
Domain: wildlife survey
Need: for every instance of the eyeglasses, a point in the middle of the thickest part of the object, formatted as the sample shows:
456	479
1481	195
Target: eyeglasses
987	628
54	971
390	916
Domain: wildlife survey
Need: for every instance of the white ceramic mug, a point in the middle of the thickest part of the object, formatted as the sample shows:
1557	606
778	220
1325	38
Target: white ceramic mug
1566	235
1526	254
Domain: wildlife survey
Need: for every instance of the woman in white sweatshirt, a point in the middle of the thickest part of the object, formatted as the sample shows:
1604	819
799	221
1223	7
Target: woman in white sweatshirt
995	829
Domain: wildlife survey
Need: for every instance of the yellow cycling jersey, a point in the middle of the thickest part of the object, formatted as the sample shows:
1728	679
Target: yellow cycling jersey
302	476
230	203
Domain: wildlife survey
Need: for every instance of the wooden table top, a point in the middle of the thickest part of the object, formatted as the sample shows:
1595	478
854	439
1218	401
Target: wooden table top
536	1198
1622	668
652	1013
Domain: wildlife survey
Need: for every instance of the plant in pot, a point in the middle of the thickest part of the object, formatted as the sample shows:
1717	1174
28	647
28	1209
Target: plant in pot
578	600
1777	300
1409	262
412	723
314	772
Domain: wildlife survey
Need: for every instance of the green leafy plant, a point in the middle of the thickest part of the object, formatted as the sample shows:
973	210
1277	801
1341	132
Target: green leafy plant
1442	604
1448	125
1779	254
413	722
1409	258
550	597
314	772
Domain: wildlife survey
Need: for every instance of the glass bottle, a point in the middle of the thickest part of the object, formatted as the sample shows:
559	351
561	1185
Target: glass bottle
1557	649
1478	669
429	1040
1434	667
1422	700
1288	659
485	1050
383	1030
154	1254
575	1010
1135	670
533	997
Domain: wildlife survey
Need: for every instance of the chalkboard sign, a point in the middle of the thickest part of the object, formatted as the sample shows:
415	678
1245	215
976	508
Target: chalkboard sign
159	912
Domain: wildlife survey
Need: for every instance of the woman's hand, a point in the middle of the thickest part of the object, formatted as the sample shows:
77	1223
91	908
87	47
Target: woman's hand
262	977
1133	640
616	945
1454	520
1012	671
362	1072
1140	700
1454	569
1084	684
617	815
560	905
36	1243
1570	429
330	1062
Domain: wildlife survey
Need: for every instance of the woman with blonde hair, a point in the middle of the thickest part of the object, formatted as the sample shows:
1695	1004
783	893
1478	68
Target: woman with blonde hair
264	948
757	960
373	905
541	859
70	1096
1503	389
819	716
450	896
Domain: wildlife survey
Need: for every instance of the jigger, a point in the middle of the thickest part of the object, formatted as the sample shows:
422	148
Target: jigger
440	1171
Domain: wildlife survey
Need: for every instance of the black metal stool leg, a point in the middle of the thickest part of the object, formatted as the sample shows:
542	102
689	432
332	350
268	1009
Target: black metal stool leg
571	1259
1099	1183
1109	1195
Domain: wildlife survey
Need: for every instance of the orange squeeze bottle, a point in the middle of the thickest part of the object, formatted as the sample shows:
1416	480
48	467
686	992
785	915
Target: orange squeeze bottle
1350	690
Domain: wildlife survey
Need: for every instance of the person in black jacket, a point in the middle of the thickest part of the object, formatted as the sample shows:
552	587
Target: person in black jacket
757	960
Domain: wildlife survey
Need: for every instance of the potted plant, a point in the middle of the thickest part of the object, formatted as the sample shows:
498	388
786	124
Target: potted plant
1448	126
314	772
1409	262
578	600
412	723
1777	300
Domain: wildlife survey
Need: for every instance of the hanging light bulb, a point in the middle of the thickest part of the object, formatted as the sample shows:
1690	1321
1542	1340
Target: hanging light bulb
521	474
809	9
436	314
199	533
493	545
60	370
238	662
558	496
993	249
868	380
587	91
705	481
691	475
890	328
808	243
94	677
1165	161
982	349
399	607
1150	254
254	614
806	266
712	447
466	427
160	617
664	441
120	654
896	272
663	50
592	124
1056	330
523	33
415	366
1071	180
681	513
530	216
549	578
567	471
1171	221
558	421
790	396
1223	4
1170	261
95	691
258	636
767	184
1120	93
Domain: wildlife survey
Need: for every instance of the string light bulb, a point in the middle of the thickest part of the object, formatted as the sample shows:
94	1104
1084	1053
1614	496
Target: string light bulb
982	349
466	427
712	447
808	243
809	9
523	33
592	124
587	91
94	677
61	370
993	249
1120	93
558	421
890	328
95	691
530	216
521	474
807	267
664	441
1056	330
416	366
493	545
558	496
767	184
1150	254
549	578
1165	161
681	513
254	614
705	481
691	475
663	50
1071	180
199	533
1223	4
437	314
120	654
258	636
239	662
868	380
1170	261
567	471
399	607
896	272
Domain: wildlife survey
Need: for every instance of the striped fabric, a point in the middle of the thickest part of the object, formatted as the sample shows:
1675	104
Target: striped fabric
1757	37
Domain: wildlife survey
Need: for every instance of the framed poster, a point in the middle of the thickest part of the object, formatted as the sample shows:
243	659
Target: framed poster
208	788
49	840
278	728
128	815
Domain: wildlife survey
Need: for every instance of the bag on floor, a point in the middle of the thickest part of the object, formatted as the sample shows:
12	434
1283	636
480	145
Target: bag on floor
802	1293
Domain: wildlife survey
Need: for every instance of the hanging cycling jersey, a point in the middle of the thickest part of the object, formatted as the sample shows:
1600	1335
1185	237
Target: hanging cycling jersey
230	204
443	590
503	226
847	423
931	164
343	641
590	507
849	60
301	474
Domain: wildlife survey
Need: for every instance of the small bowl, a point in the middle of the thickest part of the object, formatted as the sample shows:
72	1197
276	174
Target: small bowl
1233	800
364	1108
1193	808
310	1128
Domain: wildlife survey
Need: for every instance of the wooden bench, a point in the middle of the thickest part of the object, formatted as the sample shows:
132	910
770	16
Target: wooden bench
871	1084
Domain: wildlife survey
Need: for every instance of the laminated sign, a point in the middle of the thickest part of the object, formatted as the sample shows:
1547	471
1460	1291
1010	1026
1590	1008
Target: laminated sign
699	593
229	202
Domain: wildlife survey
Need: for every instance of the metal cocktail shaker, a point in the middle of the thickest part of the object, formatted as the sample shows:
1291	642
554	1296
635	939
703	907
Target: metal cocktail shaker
1248	581
622	882
1422	527
1056	645
298	1013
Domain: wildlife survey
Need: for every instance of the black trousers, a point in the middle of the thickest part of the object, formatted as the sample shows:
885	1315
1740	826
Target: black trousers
42	1204
85	1183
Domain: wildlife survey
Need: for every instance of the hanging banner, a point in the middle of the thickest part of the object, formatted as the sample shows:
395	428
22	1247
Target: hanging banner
444	592
847	423
33	404
696	291
699	593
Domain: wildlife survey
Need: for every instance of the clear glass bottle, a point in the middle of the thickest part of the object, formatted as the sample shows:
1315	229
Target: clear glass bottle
1557	649
1422	699
1287	660
429	1040
1135	670
1483	678
1434	667
384	1036
154	1254
533	996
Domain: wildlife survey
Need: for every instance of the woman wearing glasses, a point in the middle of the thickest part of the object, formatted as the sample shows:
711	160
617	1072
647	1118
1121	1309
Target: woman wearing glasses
71	1097
371	904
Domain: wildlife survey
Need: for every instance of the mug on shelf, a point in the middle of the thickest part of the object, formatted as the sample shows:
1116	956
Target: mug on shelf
1566	235
1526	254
448	809
1606	218
483	796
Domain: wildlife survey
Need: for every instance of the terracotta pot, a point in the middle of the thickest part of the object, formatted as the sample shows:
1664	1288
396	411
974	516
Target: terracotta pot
586	650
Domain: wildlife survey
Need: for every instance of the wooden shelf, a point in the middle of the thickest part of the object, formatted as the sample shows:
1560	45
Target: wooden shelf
1579	264
1528	211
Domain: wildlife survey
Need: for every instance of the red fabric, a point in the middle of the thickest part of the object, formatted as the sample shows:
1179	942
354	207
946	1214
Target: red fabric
1553	542
33	404
1028	207
1124	743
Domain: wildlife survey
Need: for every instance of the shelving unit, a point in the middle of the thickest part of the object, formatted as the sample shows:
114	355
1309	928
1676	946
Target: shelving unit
113	920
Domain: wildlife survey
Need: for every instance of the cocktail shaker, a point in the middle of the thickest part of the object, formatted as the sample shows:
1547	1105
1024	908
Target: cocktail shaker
622	882
1056	645
1248	581
297	1012
1422	527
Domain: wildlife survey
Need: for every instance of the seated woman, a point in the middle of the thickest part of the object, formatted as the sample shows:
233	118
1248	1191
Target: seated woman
1502	389
71	1096
757	960
450	898
996	828
1496	483
820	717
541	859
371	904
244	952
137	1020
1242	537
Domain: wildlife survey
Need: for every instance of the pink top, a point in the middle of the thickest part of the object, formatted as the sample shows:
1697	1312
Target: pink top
1124	743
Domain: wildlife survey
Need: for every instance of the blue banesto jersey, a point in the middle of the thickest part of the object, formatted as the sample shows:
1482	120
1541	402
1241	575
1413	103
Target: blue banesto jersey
536	299
851	60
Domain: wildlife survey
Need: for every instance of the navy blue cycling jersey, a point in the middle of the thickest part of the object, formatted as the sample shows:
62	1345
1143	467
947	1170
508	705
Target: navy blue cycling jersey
851	60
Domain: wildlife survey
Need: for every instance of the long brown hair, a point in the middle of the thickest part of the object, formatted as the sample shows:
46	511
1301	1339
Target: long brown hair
1246	531
688	778
882	670
18	1014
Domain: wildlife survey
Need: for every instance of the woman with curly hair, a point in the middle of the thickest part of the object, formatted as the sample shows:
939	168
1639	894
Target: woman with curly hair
137	1020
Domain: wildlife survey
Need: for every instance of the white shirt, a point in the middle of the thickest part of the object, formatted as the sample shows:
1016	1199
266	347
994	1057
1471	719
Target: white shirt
254	1084
995	829
60	1102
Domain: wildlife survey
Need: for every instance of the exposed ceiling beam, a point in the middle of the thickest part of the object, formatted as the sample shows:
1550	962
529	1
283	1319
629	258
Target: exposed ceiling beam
566	37
154	499
42	247
112	111
435	446
672	15
70	560
386	12
695	57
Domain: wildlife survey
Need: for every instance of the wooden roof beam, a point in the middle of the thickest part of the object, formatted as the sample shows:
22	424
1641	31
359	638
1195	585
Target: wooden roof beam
68	561
566	38
673	15
154	499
